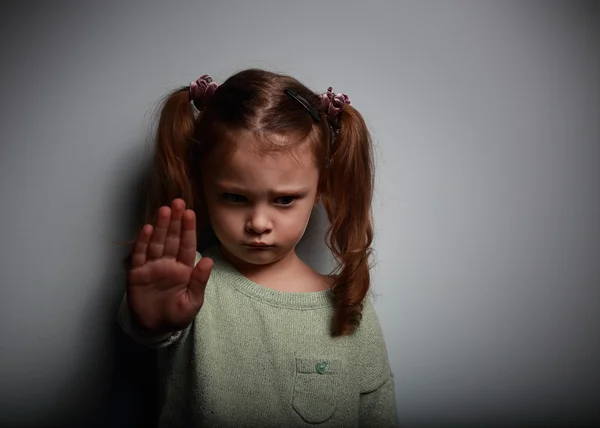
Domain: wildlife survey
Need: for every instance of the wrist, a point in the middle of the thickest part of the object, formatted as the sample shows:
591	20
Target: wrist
131	324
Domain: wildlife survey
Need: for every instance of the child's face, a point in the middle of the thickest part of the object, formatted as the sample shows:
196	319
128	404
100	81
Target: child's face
253	198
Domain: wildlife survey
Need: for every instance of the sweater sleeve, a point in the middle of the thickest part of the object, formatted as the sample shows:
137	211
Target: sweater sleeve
377	396
138	333
377	408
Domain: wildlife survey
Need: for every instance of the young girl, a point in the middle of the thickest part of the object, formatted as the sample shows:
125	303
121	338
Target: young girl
247	334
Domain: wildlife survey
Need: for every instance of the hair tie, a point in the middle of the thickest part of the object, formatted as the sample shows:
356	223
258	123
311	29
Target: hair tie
202	90
334	104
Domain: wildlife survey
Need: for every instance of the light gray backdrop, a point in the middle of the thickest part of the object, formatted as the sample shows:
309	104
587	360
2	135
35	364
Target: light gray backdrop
485	116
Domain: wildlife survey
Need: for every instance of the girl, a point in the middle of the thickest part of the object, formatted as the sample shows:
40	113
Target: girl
247	334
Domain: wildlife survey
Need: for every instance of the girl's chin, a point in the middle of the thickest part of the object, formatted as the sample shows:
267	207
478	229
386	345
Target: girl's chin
259	256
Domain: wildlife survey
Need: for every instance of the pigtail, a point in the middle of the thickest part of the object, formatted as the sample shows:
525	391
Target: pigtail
348	190
170	172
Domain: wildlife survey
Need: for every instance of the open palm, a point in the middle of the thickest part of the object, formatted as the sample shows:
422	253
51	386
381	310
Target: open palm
164	289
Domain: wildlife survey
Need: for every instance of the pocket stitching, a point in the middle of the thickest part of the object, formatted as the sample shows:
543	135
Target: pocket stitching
305	378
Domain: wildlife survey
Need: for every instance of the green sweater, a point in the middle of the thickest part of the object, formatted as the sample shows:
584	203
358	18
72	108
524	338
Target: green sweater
258	357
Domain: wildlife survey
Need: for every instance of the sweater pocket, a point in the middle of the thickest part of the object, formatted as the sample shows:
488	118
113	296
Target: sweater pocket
316	388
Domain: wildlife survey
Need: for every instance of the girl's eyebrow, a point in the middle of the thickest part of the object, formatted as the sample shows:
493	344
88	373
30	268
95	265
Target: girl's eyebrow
235	188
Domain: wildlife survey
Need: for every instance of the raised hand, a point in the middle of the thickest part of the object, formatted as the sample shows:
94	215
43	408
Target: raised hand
164	289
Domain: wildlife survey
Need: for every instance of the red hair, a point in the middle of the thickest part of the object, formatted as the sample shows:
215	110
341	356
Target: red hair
254	101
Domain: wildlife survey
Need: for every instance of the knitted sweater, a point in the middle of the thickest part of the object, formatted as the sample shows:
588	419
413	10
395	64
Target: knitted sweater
259	357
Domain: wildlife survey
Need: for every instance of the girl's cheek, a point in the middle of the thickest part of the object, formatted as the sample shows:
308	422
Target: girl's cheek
228	218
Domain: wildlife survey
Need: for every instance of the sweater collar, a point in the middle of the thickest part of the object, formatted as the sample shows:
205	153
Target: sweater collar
284	299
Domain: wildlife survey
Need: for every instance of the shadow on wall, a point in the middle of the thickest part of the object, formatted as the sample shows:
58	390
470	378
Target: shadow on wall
133	395
312	248
133	388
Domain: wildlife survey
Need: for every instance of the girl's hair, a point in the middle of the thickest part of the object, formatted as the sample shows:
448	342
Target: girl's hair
254	102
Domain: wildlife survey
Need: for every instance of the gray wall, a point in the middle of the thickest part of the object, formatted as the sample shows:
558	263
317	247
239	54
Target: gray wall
486	120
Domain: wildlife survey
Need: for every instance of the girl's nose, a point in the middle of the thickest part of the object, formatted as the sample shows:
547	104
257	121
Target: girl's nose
258	223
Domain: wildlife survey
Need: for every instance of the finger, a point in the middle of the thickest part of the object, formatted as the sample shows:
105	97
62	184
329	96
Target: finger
174	230
138	257
157	242
187	244
198	281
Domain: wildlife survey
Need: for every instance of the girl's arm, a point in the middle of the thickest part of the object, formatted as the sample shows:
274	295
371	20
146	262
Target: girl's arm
377	397
378	408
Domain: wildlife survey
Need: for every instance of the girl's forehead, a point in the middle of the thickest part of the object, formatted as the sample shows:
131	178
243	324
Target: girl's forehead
248	167
242	149
247	159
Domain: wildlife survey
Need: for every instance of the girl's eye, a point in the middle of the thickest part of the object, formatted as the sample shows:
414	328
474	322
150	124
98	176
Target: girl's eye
286	200
232	197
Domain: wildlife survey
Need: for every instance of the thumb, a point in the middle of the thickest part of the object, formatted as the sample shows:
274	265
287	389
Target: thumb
199	279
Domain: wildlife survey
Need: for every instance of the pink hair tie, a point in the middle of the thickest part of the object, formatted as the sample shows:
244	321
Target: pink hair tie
202	90
334	104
